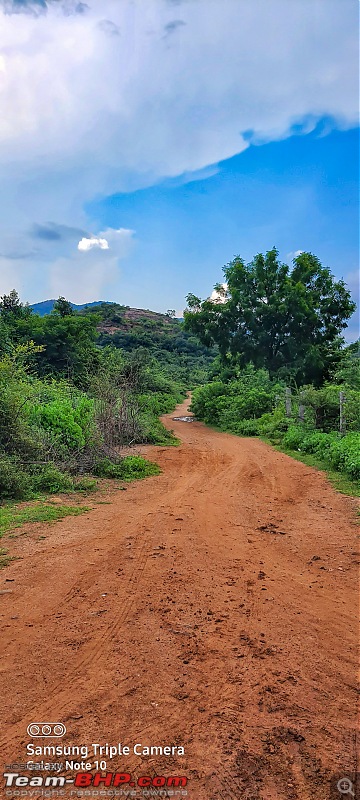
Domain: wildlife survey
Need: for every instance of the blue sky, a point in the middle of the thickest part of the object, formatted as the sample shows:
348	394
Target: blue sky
299	194
144	144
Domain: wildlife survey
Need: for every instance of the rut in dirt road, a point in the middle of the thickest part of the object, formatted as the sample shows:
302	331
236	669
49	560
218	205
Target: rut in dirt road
209	608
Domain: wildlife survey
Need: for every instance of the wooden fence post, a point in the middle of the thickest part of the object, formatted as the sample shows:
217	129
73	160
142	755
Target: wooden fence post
342	413
288	401
301	413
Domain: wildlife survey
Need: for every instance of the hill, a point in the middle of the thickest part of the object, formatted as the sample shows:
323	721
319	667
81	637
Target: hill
162	336
46	306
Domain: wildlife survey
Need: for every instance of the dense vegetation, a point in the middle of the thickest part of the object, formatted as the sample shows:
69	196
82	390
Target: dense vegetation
178	352
288	321
72	394
279	329
78	385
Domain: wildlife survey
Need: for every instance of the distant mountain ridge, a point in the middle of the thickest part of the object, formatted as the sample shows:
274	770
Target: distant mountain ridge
46	306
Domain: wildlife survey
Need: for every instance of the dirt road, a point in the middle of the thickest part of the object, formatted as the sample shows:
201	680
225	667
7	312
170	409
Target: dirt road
212	607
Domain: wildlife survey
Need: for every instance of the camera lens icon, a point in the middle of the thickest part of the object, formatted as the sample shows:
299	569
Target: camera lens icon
45	729
59	729
33	730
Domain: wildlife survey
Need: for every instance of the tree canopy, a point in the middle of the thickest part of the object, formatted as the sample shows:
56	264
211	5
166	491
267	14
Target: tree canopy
288	320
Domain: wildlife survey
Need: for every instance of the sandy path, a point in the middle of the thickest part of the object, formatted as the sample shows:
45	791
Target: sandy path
212	607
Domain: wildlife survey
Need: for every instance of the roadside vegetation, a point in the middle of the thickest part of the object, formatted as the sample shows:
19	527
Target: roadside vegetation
71	398
283	369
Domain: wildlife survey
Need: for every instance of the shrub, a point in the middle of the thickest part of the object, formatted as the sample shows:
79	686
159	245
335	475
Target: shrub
250	395
85	484
344	454
322	407
341	453
14	481
70	423
248	427
293	438
129	468
51	479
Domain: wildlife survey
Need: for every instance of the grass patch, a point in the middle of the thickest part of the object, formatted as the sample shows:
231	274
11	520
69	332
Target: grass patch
5	559
12	516
339	481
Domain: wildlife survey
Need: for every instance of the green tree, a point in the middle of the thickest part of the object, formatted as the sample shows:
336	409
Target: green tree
286	320
10	303
67	343
348	369
62	307
69	346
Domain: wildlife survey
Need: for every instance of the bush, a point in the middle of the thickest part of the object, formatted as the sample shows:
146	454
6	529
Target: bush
69	422
344	454
340	453
85	484
248	427
14	481
154	432
128	469
322	407
51	479
274	425
247	397
293	438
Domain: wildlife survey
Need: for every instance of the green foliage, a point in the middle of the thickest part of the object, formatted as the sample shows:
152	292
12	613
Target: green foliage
323	406
69	420
176	352
49	429
15	482
107	312
226	405
347	370
63	307
66	341
341	453
50	479
128	469
288	321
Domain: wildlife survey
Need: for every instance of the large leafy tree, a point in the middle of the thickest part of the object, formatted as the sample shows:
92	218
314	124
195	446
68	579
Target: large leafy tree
288	320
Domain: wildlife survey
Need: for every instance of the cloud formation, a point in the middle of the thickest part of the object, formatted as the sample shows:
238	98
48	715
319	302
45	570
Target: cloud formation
37	7
95	241
175	88
61	267
137	109
53	232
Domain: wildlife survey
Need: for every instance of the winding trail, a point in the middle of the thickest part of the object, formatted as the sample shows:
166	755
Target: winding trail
212	607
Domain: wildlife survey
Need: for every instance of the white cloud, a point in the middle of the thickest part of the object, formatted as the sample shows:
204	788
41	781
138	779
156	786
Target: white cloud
84	113
293	254
82	279
219	296
95	241
65	270
129	109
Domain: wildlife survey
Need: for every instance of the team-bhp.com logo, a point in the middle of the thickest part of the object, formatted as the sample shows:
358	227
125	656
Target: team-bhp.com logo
87	779
45	729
